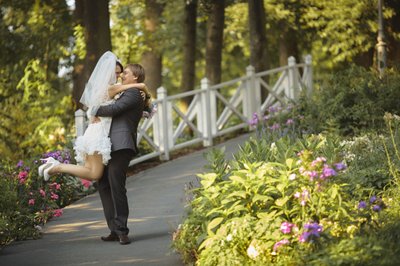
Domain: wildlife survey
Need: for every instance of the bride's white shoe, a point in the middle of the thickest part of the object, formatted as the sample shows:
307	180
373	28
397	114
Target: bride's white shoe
46	167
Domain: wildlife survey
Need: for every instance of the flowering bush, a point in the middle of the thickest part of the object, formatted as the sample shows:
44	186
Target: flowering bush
27	197
278	121
263	211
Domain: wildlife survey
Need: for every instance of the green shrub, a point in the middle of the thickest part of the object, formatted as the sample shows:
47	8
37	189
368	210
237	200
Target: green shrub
352	101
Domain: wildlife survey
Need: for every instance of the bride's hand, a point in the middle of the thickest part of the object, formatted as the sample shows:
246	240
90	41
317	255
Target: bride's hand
95	119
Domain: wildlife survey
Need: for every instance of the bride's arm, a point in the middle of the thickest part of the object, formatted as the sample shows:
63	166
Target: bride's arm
117	88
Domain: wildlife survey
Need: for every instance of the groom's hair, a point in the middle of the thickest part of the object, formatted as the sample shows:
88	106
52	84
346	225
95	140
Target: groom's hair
137	71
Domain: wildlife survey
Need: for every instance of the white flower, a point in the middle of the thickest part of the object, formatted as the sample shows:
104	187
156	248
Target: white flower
273	146
229	238
39	228
252	252
292	177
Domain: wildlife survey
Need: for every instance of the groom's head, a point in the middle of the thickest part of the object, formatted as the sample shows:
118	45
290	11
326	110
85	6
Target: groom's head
133	73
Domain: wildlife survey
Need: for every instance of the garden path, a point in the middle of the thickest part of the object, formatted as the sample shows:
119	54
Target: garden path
156	199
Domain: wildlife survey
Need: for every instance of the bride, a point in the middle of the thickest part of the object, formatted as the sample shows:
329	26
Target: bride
94	147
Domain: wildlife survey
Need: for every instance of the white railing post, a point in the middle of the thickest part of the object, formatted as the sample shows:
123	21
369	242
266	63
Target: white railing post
309	77
206	113
291	90
249	96
161	129
80	122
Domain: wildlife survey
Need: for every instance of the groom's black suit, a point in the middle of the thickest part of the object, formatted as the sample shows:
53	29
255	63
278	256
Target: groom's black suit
126	113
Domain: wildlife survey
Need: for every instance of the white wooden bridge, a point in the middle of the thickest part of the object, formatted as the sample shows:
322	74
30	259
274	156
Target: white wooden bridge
215	110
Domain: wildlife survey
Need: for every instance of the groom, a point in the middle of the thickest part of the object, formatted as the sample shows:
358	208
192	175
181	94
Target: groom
126	113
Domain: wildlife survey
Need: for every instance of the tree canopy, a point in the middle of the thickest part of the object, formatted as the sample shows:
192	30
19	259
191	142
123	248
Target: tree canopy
45	43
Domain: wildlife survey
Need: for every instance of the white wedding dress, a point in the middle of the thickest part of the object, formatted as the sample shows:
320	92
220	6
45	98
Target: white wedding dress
96	137
95	140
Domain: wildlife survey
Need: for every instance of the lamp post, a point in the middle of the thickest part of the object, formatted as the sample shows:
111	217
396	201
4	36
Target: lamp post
381	45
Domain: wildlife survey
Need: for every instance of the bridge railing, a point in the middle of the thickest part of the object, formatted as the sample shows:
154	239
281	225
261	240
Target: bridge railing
215	110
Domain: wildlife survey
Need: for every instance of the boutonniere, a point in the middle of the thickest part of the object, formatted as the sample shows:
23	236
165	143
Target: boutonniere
118	95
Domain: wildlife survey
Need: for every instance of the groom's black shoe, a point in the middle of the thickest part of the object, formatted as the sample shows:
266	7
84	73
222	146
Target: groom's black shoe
110	237
124	240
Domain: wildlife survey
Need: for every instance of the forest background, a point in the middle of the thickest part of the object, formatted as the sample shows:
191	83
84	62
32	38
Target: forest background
48	49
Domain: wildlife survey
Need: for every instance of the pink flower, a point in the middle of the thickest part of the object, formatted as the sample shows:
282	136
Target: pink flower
86	183
42	193
22	176
31	202
289	122
286	227
55	185
280	243
54	196
57	212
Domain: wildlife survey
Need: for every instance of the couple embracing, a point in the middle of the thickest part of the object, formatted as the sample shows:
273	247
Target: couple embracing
109	142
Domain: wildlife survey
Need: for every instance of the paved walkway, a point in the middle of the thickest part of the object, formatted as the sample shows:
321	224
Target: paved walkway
156	199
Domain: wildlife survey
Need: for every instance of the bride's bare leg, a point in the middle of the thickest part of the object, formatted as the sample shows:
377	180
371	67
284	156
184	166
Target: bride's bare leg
92	170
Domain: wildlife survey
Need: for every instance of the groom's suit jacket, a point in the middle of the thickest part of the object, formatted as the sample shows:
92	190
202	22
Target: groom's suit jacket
126	113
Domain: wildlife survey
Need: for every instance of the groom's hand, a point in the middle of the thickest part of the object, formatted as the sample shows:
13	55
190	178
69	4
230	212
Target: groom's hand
95	119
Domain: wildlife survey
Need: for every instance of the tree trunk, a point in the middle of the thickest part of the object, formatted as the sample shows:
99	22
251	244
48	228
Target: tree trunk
287	45
78	76
97	32
258	39
152	59
215	32
393	26
94	16
189	49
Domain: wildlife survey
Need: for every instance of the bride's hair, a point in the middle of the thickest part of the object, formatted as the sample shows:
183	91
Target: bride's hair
138	71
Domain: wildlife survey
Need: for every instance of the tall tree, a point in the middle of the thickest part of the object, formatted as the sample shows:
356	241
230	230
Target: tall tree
189	47
152	57
96	22
78	74
288	31
214	42
258	40
393	33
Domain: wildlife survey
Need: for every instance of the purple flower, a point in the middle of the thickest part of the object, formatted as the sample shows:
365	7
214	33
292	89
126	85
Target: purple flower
20	163
327	172
280	243
272	109
372	199
340	166
59	158
312	229
362	205
376	208
254	120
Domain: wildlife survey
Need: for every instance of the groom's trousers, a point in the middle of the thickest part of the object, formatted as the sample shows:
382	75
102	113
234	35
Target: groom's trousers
112	191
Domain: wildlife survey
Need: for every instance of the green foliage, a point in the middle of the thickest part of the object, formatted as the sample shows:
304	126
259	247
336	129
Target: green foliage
239	210
352	101
34	102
